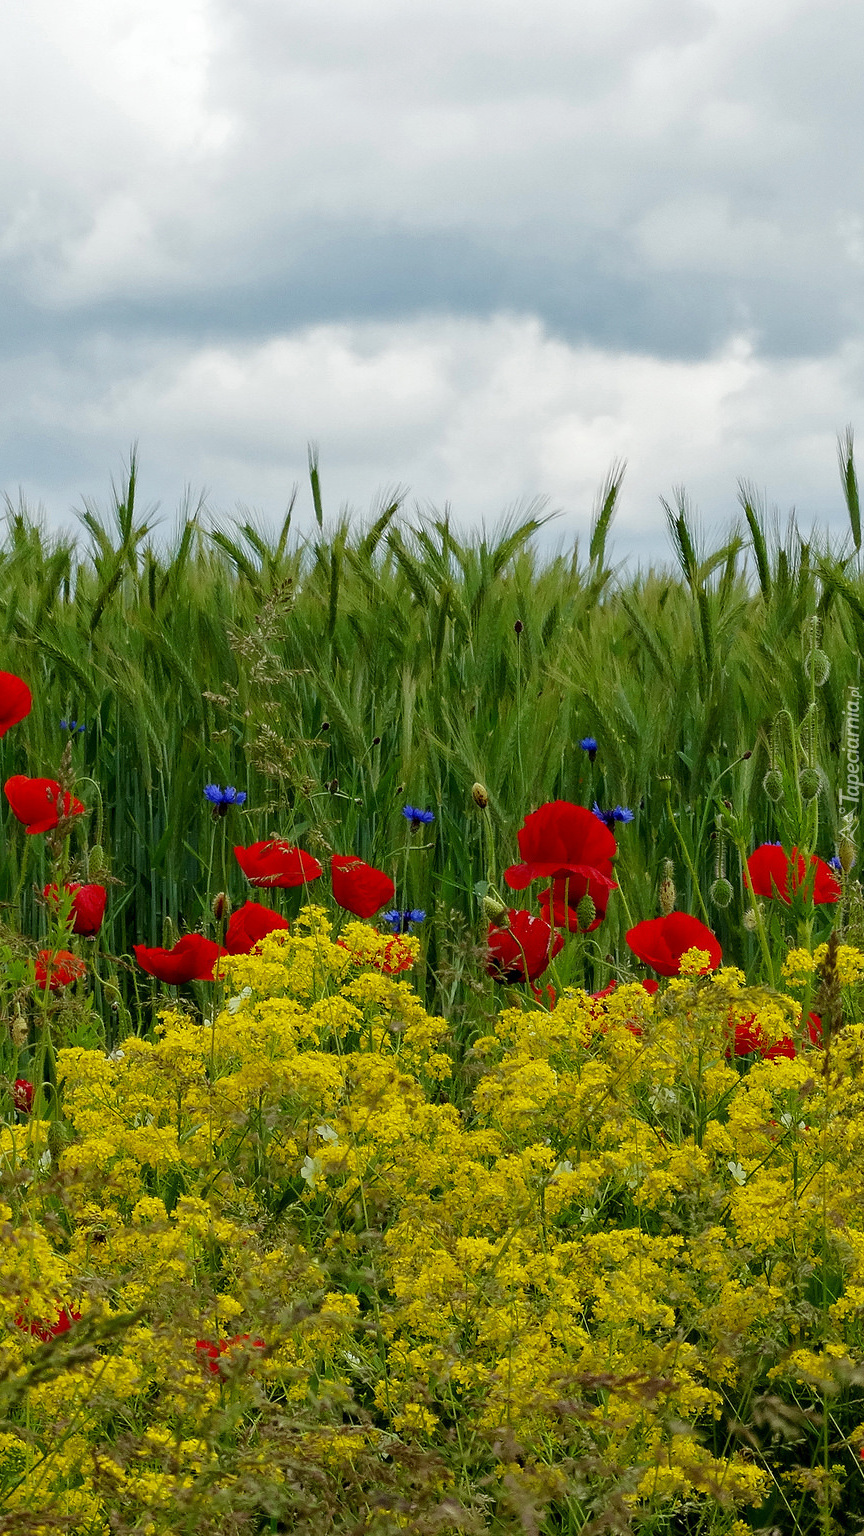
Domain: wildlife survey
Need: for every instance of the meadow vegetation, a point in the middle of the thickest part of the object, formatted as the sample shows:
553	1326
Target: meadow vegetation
510	1208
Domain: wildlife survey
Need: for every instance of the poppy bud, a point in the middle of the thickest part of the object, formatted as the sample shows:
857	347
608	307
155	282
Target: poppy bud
846	852
808	783
666	892
817	667
480	796
221	906
773	784
169	935
585	913
721	892
495	911
750	920
97	864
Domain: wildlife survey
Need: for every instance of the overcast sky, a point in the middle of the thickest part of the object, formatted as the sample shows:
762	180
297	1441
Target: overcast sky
476	248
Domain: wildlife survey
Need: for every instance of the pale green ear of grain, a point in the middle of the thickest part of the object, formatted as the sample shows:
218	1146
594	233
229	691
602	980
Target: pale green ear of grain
397	631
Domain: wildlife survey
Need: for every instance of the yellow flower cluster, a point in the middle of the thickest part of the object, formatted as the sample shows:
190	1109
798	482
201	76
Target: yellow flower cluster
297	1264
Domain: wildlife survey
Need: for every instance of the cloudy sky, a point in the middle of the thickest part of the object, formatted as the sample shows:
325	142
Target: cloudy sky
475	248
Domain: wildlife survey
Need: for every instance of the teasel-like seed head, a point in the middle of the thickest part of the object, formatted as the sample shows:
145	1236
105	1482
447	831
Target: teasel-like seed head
846	852
666	892
97	864
586	912
750	920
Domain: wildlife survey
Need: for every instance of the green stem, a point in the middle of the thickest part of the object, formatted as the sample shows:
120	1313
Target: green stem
757	915
686	855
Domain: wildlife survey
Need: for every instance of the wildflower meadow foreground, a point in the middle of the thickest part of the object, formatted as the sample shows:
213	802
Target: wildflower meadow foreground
433	1169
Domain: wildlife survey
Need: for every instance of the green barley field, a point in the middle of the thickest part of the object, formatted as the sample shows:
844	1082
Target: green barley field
336	676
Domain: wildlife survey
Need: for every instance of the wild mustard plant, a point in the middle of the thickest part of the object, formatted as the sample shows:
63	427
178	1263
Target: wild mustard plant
296	1274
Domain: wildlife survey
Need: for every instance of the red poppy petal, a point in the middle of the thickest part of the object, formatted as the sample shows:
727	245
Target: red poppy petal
273	862
192	958
249	924
523	951
359	887
16	701
661	941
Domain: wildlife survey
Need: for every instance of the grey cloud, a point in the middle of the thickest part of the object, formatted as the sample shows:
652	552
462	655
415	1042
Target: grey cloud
197	195
651	173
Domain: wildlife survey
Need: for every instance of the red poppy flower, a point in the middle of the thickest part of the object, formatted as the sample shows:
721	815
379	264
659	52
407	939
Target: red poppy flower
16	701
397	956
192	958
88	906
750	1041
559	840
248	924
22	1095
276	863
522	951
358	887
565	894
772	869
661	941
39	803
649	985
213	1352
56	968
42	1330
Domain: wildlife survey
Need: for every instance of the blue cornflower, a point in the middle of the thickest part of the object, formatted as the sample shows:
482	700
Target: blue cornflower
835	864
400	922
620	813
589	745
417	817
71	726
221	799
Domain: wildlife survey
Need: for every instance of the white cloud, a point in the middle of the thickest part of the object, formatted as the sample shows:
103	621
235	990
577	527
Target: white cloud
479	414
